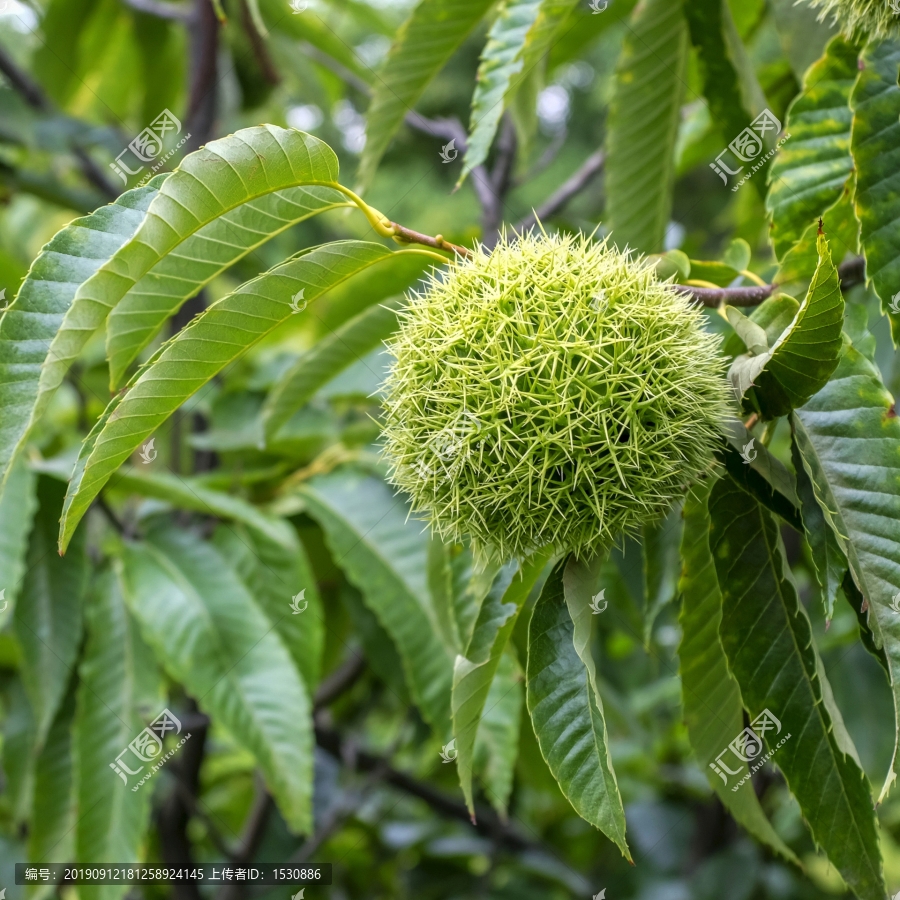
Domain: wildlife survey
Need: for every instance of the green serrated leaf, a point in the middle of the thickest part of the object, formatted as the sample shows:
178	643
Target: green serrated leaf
275	572
18	750
31	321
179	275
384	554
502	60
121	691
352	341
773	315
809	173
803	358
211	636
475	670
424	43
875	146
848	436
710	696
564	702
200	351
48	616
768	640
644	114
661	564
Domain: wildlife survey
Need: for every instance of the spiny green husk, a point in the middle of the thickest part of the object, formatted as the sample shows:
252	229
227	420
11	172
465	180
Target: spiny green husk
551	393
861	18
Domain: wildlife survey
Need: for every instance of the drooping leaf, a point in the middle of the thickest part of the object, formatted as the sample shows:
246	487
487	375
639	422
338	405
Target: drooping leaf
848	436
48	616
17	506
644	114
875	146
18	750
201	350
121	692
828	558
425	41
710	696
498	733
352	341
384	554
31	321
201	257
53	812
475	670
211	636
500	65
440	586
274	572
760	473
810	171
210	183
564	703
720	80
661	565
803	358
773	315
768	640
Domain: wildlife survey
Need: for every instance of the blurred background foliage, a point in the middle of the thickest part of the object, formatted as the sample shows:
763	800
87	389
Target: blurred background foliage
79	79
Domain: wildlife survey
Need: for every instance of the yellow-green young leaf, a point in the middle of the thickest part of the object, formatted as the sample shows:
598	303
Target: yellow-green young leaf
803	358
200	351
475	670
31	321
384	554
875	146
120	693
210	183
330	356
564	703
848	436
18	503
279	577
518	40
810	171
204	255
210	635
644	115
48	616
768	640
425	41
711	698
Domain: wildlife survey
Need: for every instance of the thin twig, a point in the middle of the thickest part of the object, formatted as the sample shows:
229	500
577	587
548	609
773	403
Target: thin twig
574	185
733	296
340	680
407	236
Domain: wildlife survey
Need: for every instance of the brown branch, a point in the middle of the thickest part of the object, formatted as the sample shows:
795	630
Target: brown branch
591	167
340	680
408	236
258	46
203	37
733	296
